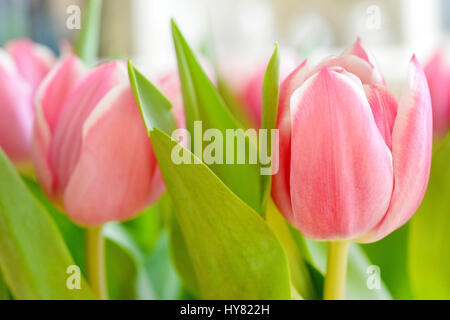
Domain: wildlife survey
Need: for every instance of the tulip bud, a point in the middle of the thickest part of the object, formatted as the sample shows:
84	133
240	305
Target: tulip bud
354	163
437	71
91	150
23	65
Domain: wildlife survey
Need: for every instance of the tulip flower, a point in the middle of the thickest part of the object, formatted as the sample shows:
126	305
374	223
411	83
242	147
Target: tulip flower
354	162
23	65
437	71
91	151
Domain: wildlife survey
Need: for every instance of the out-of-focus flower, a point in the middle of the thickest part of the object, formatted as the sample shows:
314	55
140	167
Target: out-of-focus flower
437	71
91	151
354	163
245	80
23	65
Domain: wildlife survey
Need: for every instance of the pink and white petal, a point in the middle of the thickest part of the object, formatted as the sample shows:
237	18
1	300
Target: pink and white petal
384	109
437	71
360	51
353	64
281	180
33	61
16	110
341	169
67	138
411	150
116	175
49	100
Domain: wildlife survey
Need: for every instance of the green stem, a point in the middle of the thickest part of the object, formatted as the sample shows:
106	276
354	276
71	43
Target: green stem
336	270
95	261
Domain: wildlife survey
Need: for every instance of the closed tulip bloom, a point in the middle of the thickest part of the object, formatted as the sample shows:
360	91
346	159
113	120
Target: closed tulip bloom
91	151
437	71
23	65
354	162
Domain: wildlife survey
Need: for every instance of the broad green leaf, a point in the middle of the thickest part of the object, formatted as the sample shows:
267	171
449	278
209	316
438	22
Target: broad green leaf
145	229
357	271
88	41
299	271
391	255
167	285
429	255
125	266
202	102
234	253
271	85
181	259
73	234
4	292
33	256
144	91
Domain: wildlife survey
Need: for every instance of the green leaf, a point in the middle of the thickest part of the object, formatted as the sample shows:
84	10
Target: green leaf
271	85
125	266
181	259
73	234
299	271
124	257
234	253
202	102
88	42
391	255
429	257
4	292
161	271
357	268
33	256
146	228
144	92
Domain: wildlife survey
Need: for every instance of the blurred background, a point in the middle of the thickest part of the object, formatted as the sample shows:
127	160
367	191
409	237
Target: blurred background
391	29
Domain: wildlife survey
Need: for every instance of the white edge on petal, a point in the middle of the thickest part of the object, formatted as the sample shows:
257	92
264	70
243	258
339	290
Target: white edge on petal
7	62
103	107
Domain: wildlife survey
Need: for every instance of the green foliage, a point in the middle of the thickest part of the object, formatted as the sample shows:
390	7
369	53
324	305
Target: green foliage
33	256
233	253
429	258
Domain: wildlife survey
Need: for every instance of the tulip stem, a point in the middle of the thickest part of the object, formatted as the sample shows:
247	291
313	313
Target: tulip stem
334	288
95	261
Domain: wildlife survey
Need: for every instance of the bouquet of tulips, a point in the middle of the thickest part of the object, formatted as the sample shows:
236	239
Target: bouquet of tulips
284	182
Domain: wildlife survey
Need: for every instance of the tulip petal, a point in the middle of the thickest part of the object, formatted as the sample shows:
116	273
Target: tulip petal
16	120
281	181
33	61
411	152
384	109
437	72
117	170
49	100
66	142
353	64
341	168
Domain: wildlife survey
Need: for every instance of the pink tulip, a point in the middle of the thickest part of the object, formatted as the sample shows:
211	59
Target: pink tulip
354	163
437	71
23	65
91	151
